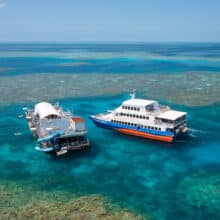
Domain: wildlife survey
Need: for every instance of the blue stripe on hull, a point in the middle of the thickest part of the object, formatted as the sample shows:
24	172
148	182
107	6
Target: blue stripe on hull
114	126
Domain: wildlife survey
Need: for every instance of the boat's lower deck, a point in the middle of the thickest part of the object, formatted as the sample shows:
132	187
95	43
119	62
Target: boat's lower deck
135	131
63	145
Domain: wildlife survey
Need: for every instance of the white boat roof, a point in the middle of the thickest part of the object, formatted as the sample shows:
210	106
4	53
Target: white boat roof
171	115
44	109
138	102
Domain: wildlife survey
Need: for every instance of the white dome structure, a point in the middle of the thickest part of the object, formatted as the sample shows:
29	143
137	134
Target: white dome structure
45	109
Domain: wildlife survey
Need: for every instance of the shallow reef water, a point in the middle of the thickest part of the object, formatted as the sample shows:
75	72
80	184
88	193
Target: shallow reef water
118	177
190	88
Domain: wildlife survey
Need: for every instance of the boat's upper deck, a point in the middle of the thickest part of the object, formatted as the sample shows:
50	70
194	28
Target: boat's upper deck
143	107
139	102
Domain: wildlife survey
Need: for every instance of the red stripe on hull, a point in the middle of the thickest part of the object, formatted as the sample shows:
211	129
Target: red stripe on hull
145	135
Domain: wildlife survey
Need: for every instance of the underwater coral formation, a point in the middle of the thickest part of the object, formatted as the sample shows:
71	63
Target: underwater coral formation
22	203
190	88
200	194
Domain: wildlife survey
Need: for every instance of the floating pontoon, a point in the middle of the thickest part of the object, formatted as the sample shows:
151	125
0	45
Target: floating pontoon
56	130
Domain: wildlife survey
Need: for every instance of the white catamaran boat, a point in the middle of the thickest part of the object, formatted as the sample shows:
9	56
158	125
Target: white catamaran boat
144	118
57	131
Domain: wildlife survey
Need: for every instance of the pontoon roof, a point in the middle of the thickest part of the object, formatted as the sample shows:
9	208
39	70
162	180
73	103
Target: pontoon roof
45	109
171	115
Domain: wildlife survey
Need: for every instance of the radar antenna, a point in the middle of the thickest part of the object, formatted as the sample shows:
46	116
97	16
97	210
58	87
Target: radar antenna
133	93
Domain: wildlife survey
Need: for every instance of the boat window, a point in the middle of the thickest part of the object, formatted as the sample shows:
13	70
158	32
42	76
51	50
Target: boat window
149	108
134	108
130	115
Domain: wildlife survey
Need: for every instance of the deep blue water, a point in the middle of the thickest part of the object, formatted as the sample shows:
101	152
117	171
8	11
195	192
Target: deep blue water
157	58
143	175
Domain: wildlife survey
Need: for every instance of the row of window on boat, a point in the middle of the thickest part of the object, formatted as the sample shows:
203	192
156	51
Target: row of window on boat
130	108
132	115
147	108
136	125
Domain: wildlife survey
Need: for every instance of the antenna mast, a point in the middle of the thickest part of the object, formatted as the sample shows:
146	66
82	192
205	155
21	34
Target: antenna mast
133	93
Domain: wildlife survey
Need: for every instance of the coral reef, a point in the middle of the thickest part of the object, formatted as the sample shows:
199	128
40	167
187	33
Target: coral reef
190	88
22	203
201	193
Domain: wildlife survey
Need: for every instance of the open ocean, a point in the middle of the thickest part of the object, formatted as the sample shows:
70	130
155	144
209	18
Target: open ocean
119	177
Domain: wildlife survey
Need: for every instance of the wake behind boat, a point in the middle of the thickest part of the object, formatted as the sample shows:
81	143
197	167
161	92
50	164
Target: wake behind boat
144	118
57	131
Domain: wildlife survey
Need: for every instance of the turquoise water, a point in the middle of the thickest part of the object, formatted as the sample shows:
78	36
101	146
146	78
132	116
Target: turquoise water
161	180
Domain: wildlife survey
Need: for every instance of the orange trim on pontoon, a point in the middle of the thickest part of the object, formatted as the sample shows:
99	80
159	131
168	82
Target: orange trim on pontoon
145	135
